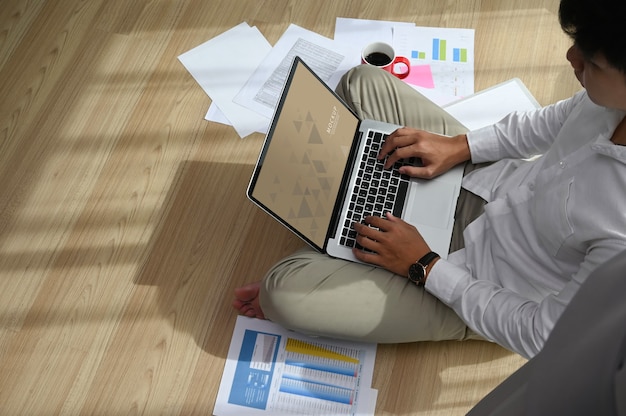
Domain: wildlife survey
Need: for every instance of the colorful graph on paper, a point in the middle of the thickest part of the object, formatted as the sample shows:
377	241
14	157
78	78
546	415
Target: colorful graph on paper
287	374
439	52
319	372
441	58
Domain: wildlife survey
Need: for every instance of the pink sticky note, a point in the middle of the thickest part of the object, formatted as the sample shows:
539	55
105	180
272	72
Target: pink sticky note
421	76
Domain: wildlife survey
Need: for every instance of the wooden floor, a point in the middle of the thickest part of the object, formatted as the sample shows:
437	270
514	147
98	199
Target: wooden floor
124	225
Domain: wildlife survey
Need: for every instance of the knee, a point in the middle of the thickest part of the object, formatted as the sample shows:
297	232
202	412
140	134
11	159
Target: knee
362	74
304	277
289	266
362	70
290	273
285	284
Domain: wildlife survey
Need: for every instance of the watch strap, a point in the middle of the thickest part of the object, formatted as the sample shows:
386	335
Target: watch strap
424	262
428	258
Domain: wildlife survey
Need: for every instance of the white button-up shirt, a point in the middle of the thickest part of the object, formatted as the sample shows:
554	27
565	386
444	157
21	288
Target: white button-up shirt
548	222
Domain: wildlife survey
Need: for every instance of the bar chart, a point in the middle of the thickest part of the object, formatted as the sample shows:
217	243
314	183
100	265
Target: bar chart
274	371
442	60
439	52
323	377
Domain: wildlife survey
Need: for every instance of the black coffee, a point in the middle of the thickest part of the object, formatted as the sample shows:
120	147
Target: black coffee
378	59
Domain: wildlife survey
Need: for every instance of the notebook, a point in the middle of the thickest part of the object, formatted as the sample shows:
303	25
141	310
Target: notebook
313	167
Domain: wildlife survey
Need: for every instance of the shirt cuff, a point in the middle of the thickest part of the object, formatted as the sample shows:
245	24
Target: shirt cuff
483	144
443	279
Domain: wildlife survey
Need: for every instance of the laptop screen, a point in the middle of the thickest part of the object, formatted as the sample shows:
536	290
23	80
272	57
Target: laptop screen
302	163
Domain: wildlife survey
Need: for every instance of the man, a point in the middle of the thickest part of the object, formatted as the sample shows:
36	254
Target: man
527	233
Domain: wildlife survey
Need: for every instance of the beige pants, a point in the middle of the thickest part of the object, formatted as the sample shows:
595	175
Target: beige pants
318	295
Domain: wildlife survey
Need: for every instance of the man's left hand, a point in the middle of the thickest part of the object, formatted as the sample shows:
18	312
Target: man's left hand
396	244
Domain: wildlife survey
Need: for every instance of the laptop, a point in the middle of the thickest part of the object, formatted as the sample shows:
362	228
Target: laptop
317	173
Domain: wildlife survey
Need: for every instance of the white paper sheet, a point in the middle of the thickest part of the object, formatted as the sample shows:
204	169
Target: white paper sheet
491	105
216	115
448	55
222	66
272	371
262	91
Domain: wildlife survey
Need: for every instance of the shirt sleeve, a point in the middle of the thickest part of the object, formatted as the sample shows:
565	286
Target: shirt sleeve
501	315
521	135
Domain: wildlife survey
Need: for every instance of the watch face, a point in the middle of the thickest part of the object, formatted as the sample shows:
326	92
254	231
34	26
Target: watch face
416	273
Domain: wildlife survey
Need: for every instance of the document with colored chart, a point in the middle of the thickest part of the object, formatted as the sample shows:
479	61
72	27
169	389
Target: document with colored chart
272	371
442	60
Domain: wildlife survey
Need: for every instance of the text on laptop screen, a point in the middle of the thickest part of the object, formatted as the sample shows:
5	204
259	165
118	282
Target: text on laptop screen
305	160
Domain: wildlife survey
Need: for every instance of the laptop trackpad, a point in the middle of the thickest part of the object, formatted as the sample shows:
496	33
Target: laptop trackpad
432	203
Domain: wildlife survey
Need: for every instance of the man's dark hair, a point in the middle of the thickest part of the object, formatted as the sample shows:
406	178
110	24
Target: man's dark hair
597	26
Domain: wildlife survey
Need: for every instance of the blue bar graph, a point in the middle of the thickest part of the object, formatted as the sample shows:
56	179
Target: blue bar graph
347	370
459	55
439	49
317	391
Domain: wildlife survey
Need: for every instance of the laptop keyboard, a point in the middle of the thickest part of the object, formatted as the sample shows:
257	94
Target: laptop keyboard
377	190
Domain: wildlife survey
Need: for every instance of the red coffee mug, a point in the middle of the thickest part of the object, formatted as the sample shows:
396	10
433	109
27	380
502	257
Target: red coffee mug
383	56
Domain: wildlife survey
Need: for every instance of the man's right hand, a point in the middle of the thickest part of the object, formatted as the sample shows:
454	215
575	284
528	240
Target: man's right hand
438	153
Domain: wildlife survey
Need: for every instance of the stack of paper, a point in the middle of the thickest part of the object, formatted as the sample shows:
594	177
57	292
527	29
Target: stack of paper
222	66
244	75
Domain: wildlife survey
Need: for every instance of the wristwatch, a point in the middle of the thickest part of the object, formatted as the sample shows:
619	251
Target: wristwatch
417	271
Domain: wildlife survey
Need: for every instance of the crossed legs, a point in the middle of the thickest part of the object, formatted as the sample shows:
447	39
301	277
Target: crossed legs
314	294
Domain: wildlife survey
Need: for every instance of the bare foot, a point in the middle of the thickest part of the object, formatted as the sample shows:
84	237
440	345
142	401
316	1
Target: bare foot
247	300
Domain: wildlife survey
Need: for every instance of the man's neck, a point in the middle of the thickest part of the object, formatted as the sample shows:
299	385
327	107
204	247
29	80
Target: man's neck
619	135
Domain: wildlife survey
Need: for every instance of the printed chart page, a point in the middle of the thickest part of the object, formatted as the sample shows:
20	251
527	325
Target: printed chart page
442	60
272	371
